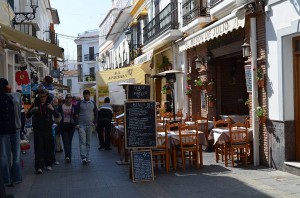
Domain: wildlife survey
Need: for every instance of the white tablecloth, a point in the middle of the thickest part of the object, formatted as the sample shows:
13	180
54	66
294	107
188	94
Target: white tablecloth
221	135
235	118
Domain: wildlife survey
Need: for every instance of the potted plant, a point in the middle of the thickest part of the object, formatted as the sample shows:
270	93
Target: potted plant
166	64
210	85
166	89
260	77
247	102
188	78
260	113
199	83
188	91
211	100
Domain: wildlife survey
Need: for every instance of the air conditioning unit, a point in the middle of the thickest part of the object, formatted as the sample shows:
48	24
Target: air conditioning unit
19	59
33	58
41	74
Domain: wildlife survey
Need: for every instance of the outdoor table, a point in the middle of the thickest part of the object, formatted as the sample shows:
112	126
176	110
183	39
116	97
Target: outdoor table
174	139
235	118
119	133
221	135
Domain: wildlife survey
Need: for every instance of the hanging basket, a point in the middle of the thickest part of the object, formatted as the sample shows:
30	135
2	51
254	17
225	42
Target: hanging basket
209	87
211	103
261	83
189	95
263	119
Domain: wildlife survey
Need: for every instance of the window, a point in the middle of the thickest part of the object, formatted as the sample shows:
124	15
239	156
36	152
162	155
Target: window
80	79
79	53
69	82
91	53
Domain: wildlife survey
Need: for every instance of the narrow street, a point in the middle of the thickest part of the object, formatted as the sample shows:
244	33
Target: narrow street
104	178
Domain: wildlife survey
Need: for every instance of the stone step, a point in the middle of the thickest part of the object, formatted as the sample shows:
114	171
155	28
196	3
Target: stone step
292	167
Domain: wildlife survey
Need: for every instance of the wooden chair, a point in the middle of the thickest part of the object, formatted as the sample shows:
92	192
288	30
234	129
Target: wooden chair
202	125
179	115
189	146
166	117
221	149
239	144
162	149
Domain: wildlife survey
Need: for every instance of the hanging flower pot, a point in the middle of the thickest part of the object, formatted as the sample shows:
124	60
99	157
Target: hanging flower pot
263	119
261	83
211	103
210	85
189	95
203	87
169	91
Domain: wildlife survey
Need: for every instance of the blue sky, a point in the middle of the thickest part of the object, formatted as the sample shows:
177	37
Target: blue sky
77	16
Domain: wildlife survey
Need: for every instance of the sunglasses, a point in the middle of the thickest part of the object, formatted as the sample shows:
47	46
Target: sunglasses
42	96
68	97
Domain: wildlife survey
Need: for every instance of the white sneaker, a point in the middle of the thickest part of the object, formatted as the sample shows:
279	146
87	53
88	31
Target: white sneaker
49	168
39	171
88	161
56	163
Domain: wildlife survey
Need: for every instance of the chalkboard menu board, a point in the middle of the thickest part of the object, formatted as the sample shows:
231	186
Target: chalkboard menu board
138	92
142	168
140	130
248	76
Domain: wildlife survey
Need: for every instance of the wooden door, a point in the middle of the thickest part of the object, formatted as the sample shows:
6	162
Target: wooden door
296	49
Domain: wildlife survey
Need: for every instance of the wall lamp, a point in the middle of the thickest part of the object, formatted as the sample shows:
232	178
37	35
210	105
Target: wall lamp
20	17
201	60
246	49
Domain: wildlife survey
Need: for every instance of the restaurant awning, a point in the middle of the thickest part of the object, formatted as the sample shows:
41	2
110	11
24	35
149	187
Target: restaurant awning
30	42
136	72
227	24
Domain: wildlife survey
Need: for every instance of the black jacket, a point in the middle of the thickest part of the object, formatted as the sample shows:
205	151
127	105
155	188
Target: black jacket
7	115
43	117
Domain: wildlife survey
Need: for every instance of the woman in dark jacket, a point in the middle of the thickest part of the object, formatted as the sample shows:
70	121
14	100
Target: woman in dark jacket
67	125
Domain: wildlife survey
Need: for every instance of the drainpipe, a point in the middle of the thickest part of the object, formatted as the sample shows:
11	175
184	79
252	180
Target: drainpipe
255	124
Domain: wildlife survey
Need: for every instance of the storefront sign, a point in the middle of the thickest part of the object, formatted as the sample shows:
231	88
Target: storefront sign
217	29
143	58
122	74
248	76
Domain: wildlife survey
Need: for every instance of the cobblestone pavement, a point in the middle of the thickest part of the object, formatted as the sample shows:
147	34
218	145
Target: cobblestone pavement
104	178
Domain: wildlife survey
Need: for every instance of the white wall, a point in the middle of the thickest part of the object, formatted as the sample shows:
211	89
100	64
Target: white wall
281	26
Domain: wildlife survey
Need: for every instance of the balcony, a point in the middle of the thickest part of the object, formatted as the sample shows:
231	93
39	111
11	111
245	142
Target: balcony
196	12
79	58
166	20
221	8
6	11
89	78
91	57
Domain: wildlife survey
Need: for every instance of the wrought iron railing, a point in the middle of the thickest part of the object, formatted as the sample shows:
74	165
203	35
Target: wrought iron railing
193	14
214	3
90	57
88	78
167	19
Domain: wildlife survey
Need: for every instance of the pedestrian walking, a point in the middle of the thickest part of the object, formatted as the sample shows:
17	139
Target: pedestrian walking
105	115
58	144
86	119
10	122
67	125
42	122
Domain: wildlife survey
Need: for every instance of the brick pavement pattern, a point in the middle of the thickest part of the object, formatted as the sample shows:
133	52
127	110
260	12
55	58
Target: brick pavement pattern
104	178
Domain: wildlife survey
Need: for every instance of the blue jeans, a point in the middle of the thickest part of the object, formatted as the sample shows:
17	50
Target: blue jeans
10	145
85	135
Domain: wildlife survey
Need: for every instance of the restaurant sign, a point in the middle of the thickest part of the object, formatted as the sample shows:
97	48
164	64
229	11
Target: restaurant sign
216	29
143	58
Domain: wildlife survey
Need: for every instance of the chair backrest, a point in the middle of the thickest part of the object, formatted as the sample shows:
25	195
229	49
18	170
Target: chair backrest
202	124
221	123
172	126
238	133
162	137
119	120
179	115
188	135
